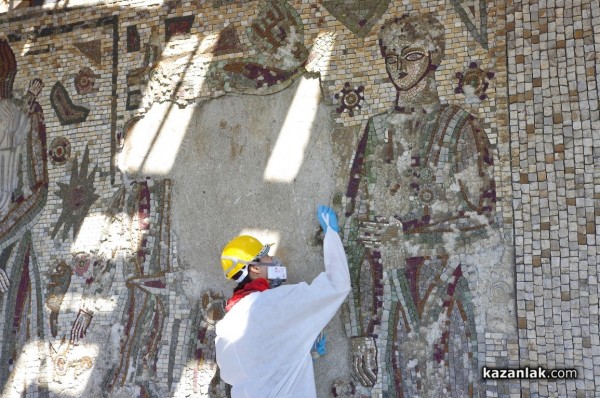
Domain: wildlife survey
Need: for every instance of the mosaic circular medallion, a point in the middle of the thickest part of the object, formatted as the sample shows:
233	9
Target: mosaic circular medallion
474	82
410	172
60	365
426	195
425	174
350	99
84	81
81	263
60	150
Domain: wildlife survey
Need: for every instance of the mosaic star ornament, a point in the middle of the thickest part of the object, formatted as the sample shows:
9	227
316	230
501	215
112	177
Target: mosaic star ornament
474	82
350	98
77	197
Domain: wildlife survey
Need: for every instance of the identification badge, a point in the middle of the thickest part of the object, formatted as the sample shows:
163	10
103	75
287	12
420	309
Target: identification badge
277	273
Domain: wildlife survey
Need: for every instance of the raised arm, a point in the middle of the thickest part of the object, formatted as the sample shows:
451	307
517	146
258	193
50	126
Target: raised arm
30	201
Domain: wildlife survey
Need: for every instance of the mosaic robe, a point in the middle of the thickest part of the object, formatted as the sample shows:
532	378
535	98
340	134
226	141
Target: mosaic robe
420	185
22	318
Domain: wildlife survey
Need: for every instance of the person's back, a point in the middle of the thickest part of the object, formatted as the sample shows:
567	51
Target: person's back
263	343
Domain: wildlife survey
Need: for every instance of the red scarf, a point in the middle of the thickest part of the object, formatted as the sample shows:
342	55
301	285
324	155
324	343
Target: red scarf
257	285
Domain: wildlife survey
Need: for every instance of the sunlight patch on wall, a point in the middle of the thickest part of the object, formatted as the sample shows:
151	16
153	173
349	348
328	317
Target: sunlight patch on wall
152	144
320	54
74	301
27	360
78	366
79	369
288	154
90	233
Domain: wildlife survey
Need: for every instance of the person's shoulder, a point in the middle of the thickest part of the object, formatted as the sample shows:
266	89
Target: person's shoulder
456	111
286	288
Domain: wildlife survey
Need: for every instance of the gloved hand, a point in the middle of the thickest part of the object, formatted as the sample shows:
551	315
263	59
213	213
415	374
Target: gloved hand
318	348
327	218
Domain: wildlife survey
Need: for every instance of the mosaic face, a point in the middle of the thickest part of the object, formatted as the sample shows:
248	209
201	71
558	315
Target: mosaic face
407	63
412	47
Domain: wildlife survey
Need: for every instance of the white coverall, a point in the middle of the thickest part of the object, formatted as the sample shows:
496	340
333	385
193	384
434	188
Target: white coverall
263	343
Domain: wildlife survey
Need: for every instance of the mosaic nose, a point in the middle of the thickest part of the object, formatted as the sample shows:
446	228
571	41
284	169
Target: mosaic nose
402	75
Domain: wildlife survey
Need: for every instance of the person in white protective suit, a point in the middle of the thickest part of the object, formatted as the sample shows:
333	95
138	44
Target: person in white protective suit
263	343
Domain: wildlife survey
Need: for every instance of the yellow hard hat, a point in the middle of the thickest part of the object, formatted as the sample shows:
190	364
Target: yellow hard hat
241	251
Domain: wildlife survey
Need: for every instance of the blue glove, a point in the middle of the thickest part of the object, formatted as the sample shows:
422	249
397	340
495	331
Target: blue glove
327	219
318	348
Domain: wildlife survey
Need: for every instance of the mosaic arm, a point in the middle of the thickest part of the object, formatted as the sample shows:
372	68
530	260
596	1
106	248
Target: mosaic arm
475	173
473	185
357	248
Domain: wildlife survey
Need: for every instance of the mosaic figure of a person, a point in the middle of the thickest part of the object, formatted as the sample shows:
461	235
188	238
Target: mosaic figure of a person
24	187
421	190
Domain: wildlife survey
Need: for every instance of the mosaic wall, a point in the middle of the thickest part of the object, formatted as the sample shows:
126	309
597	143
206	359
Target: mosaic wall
466	180
554	128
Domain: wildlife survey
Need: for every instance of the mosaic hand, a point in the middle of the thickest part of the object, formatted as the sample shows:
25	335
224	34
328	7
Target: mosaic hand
80	327
364	360
373	234
35	87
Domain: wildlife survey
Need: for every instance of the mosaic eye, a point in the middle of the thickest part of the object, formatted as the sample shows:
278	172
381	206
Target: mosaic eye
414	56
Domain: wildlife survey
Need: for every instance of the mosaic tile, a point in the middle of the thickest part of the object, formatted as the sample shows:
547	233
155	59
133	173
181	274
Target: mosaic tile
474	82
59	151
473	14
178	26
58	286
77	197
84	81
358	16
228	42
350	99
92	50
9	69
536	125
65	109
133	39
398	162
